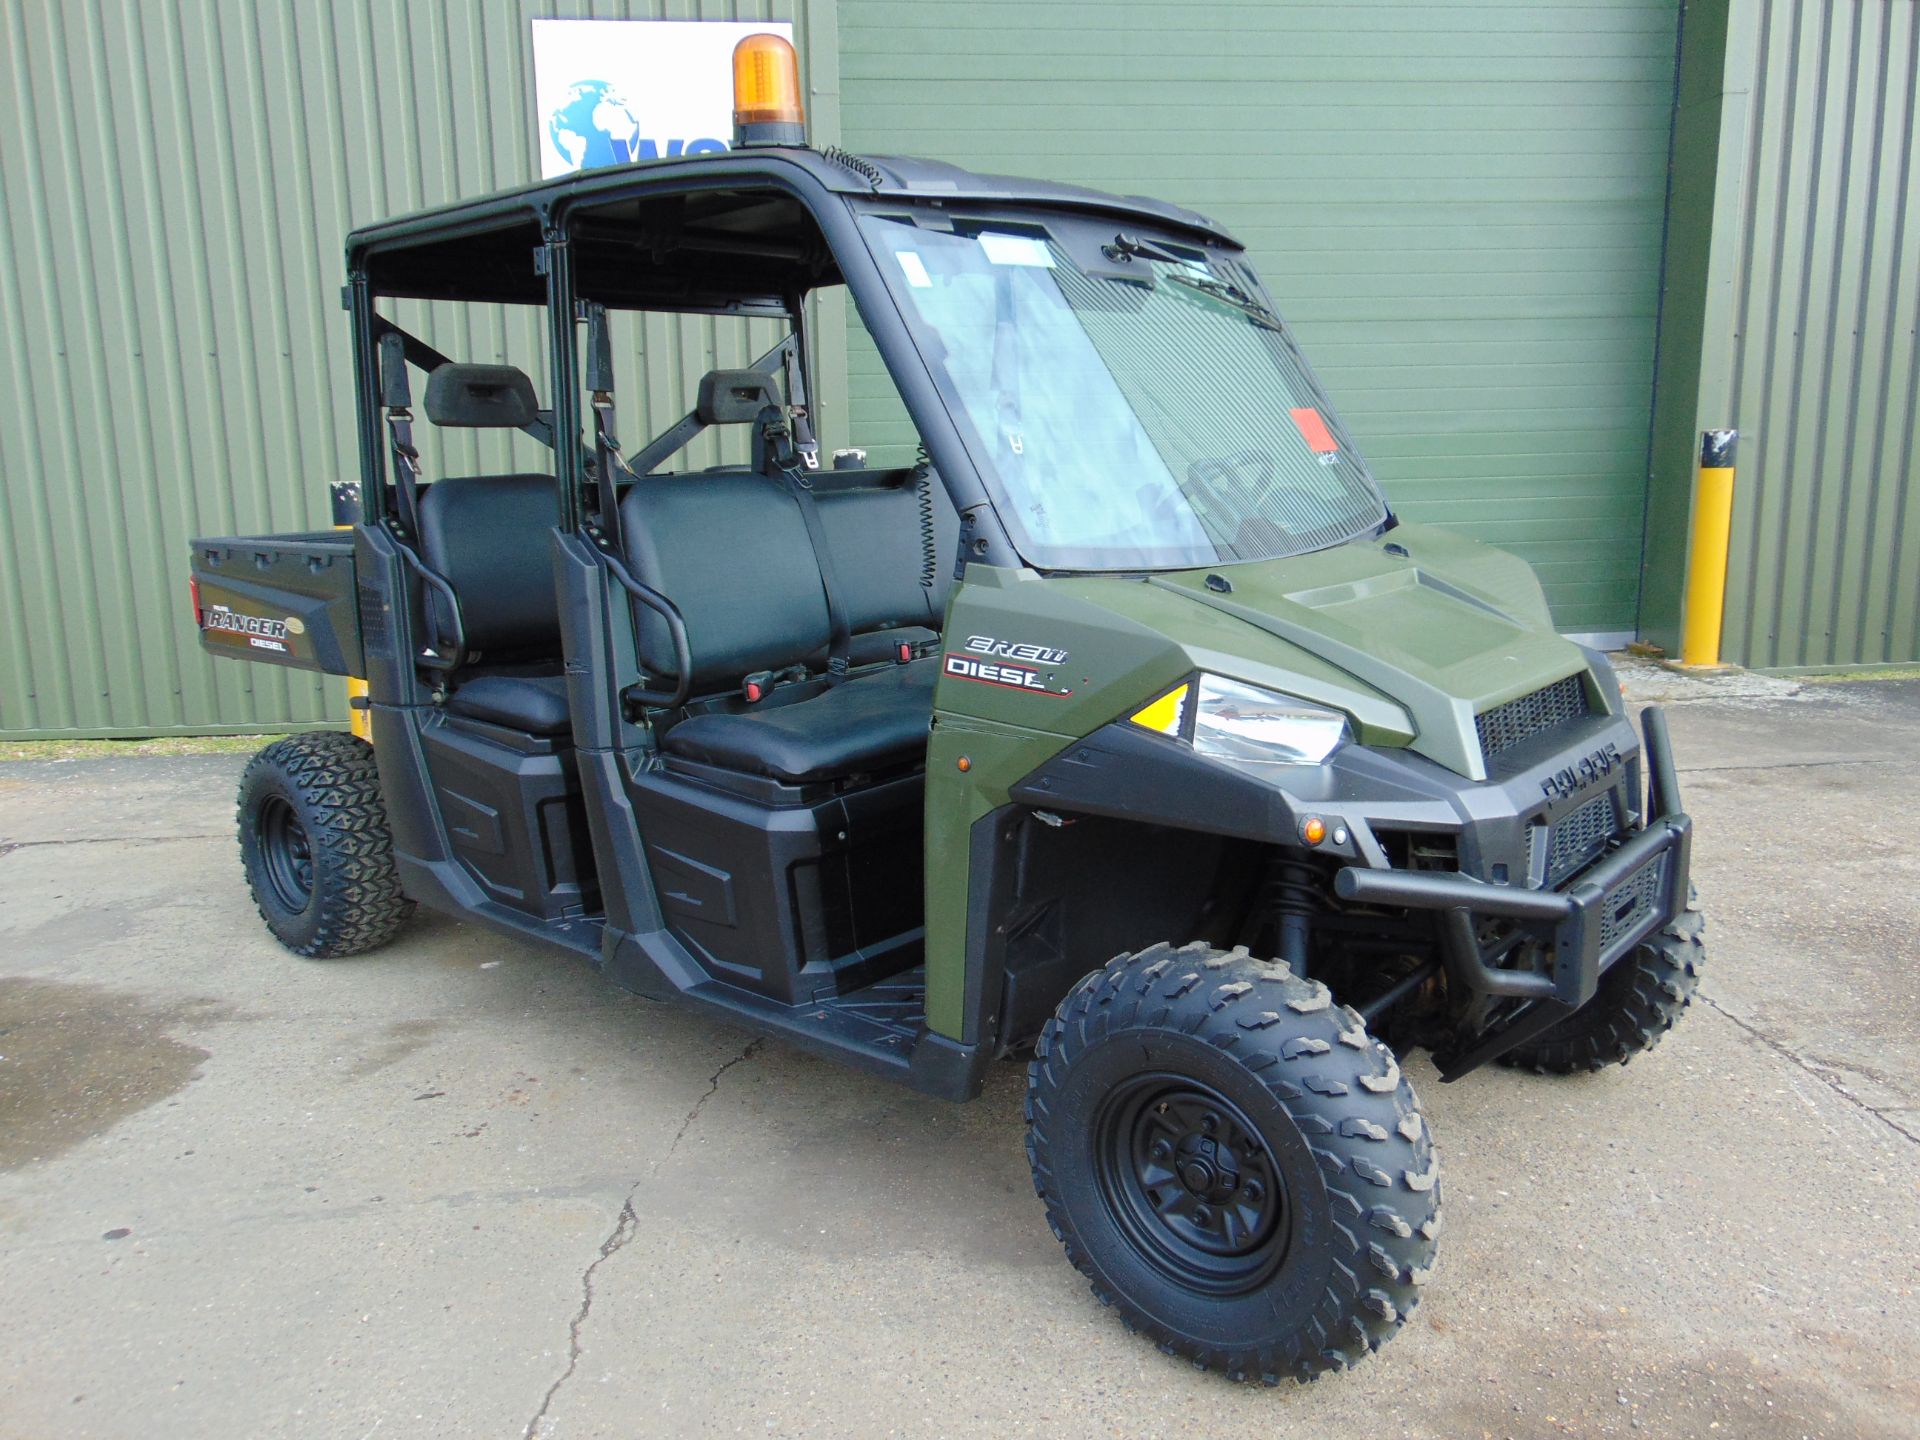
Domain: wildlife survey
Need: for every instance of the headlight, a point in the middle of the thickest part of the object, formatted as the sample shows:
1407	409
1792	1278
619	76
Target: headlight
1235	721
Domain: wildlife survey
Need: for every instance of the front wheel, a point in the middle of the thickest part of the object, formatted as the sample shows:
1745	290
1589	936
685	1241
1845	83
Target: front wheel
1640	998
314	841
1237	1166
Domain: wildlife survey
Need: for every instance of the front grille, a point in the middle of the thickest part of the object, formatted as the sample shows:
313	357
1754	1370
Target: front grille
1505	726
1629	905
1579	836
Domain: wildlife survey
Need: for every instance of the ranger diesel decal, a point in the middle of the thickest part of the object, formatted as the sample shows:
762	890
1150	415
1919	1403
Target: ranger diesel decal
220	618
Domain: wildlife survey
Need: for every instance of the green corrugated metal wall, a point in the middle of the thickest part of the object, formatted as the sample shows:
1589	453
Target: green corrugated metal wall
176	179
1459	205
1820	364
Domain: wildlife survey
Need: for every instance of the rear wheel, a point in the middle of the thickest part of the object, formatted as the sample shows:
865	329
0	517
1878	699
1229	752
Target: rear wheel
1236	1165
1640	998
314	841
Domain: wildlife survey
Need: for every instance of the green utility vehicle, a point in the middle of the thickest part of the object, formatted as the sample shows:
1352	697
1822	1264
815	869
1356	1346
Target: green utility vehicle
1121	725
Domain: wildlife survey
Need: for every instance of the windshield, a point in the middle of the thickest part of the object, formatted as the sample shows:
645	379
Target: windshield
1130	405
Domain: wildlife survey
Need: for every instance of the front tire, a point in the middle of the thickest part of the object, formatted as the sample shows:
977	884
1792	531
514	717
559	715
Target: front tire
1237	1166
315	845
1640	998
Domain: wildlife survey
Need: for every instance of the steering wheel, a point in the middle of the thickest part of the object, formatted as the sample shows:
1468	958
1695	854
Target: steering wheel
1204	472
1241	490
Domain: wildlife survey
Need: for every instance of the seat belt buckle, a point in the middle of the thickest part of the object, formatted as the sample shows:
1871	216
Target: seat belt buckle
837	665
903	653
756	686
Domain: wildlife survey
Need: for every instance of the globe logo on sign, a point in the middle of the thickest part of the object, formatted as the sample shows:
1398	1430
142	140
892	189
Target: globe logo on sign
594	125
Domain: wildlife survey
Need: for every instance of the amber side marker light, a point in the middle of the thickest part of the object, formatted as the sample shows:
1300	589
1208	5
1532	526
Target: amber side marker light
766	93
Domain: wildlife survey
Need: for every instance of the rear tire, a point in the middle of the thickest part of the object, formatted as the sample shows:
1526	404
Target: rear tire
1237	1166
315	846
1641	997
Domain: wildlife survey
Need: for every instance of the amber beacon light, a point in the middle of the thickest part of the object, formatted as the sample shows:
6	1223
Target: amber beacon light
766	93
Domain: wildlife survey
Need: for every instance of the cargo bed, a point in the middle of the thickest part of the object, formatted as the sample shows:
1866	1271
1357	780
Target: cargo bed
286	599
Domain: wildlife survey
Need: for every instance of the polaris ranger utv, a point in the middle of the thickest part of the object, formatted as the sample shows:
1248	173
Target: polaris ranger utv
1125	726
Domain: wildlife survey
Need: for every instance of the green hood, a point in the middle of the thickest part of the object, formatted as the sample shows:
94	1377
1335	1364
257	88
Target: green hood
1412	634
1448	628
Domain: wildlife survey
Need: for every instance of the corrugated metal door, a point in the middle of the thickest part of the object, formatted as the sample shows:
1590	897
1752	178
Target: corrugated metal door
1823	363
176	179
1460	206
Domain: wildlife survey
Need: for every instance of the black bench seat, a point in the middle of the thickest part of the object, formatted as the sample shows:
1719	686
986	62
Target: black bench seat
535	704
731	549
874	721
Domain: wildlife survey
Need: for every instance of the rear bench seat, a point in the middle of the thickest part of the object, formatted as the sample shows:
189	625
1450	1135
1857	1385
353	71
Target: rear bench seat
730	548
488	536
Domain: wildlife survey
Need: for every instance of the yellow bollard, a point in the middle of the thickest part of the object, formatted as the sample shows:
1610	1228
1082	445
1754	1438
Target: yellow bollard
1706	598
359	718
346	509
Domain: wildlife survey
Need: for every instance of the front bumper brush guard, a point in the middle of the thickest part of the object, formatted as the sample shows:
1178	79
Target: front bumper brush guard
1573	921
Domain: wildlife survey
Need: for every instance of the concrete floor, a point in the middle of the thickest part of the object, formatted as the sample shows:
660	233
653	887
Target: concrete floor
460	1188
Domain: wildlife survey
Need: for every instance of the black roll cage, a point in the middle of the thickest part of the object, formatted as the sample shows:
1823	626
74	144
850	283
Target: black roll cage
473	253
559	212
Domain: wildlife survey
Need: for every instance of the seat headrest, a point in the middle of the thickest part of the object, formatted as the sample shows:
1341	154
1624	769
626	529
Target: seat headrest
479	397
733	397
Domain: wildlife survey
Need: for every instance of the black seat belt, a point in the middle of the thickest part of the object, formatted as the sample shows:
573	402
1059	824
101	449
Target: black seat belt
608	462
397	399
785	457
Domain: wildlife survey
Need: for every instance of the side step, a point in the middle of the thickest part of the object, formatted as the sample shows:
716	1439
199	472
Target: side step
445	887
893	1011
875	1029
880	1029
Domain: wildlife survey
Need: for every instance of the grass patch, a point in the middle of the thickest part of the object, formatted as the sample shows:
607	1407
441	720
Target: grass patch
117	749
1843	677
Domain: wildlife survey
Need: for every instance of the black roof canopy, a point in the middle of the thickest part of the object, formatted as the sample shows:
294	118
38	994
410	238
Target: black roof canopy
716	232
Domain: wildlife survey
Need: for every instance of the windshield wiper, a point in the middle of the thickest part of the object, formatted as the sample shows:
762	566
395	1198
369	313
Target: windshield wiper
1125	247
1190	272
1227	292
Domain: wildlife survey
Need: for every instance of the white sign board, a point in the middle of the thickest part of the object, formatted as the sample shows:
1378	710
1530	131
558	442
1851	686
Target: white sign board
609	91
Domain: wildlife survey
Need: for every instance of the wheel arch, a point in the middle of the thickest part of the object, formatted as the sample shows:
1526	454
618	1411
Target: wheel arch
1053	896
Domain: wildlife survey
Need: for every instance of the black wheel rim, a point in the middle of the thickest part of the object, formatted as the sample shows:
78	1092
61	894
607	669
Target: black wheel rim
1191	1183
286	853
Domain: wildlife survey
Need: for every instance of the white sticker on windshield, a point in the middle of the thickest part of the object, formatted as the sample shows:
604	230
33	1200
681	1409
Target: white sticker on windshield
1016	250
914	268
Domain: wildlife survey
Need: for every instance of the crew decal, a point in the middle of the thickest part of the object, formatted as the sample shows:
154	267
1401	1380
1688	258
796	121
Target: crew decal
1004	663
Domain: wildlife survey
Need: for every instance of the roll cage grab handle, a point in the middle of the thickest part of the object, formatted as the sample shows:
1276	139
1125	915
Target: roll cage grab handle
608	463
396	398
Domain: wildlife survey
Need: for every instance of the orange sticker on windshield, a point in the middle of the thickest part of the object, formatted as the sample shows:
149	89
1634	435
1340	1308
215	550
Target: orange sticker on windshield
1314	430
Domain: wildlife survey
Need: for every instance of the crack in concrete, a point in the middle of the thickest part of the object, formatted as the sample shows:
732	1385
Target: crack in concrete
625	1227
1823	1073
1893	762
7	847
